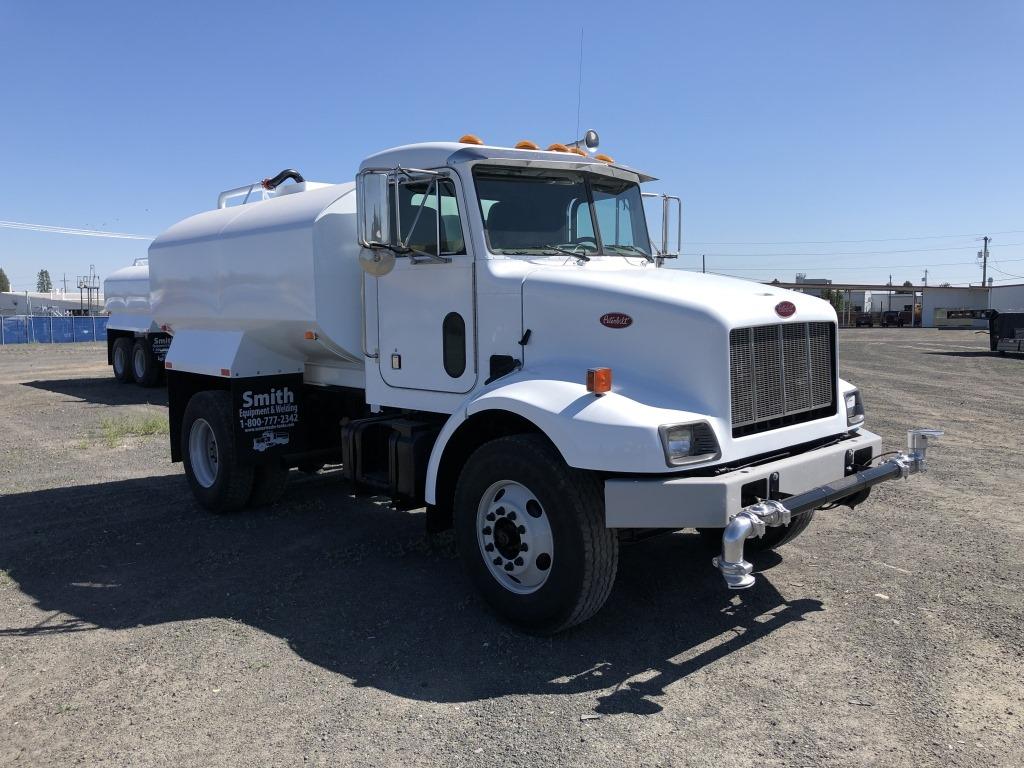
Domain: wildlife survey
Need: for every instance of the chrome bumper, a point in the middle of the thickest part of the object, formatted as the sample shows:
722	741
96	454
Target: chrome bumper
712	501
751	521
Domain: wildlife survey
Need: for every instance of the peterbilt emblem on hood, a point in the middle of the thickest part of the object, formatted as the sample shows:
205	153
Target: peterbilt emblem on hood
785	309
616	320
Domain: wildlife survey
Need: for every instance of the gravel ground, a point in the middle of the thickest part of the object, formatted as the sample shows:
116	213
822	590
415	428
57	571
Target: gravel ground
137	630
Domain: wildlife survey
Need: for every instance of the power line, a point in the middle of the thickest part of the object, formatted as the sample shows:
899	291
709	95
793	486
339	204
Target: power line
843	253
55	230
875	240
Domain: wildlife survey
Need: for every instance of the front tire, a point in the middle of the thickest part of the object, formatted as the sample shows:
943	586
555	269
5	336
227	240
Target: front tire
518	502
217	480
121	359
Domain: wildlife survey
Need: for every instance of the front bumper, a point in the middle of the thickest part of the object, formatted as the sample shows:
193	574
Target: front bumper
711	502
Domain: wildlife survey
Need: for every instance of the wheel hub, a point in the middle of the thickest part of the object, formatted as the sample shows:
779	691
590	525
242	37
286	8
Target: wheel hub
515	537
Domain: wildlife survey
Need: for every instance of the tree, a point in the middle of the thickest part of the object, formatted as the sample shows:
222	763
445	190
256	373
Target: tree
835	298
43	282
907	284
5	284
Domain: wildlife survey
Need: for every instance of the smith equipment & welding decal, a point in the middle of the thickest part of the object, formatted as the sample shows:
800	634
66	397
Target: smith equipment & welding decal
267	411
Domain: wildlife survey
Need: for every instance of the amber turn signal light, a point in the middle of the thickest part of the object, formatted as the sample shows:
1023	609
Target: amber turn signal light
599	380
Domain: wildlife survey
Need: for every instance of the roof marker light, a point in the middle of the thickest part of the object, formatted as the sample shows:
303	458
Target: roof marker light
603	158
469	138
526	144
577	151
558	148
599	380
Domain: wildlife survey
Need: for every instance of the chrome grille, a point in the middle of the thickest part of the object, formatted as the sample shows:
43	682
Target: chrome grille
780	370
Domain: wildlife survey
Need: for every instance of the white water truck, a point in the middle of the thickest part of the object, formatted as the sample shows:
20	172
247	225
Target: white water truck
487	332
136	347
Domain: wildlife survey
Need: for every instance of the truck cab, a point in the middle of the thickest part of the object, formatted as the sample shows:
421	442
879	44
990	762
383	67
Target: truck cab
491	332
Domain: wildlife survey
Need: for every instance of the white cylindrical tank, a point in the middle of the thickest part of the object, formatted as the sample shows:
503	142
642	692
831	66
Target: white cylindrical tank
273	270
126	291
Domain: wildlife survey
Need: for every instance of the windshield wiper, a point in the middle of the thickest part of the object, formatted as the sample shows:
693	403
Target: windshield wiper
568	252
634	249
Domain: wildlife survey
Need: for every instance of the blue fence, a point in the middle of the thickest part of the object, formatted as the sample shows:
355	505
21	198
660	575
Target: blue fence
25	329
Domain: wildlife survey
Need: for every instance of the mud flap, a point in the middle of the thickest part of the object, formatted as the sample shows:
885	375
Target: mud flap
268	417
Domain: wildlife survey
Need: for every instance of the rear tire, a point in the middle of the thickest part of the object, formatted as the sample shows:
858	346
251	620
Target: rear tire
516	490
217	480
145	367
121	359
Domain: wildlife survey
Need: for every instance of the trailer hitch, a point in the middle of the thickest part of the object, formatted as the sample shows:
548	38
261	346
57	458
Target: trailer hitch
751	521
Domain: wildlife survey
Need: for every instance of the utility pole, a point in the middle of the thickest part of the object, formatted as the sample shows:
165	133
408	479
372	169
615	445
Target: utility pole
703	264
890	293
926	277
984	261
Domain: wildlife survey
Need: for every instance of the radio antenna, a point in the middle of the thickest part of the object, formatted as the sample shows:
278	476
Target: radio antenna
579	87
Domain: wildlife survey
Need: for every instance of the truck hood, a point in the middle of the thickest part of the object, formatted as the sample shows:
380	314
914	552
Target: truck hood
664	332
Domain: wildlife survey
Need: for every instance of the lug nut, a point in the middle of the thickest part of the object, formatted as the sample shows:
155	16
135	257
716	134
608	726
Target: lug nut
509	566
487	531
500	511
489	547
522	529
490	517
512	515
519	561
523	547
497	561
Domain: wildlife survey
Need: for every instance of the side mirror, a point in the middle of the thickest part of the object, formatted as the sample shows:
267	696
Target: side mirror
668	247
374	210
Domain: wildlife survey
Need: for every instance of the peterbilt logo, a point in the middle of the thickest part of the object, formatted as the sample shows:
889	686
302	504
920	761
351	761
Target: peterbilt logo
616	320
785	309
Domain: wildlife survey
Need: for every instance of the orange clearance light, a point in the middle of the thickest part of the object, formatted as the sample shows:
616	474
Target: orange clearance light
469	138
603	158
167	365
599	380
526	144
309	336
225	371
558	148
577	151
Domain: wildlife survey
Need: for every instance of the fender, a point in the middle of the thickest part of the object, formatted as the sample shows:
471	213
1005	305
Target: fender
611	432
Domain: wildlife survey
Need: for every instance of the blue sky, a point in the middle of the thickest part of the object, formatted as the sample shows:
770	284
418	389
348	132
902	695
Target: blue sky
796	124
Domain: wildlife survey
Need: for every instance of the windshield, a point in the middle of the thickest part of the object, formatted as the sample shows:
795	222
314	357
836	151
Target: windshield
541	211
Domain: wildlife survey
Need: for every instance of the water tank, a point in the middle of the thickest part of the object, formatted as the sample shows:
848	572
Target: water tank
273	269
126	291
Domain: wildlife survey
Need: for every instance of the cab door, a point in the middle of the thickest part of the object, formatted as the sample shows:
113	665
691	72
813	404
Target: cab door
426	304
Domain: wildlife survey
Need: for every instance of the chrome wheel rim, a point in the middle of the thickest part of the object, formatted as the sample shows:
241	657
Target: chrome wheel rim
202	452
120	360
514	535
139	361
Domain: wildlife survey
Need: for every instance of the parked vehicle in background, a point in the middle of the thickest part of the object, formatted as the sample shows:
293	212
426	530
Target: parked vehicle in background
1006	332
891	318
907	318
136	346
864	319
482	330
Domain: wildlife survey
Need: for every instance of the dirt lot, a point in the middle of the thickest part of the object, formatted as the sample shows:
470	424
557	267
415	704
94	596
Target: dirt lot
137	630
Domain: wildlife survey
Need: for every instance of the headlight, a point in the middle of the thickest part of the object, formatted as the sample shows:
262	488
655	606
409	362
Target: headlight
854	408
688	443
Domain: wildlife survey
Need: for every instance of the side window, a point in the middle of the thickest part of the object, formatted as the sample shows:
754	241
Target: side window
417	209
615	218
582	223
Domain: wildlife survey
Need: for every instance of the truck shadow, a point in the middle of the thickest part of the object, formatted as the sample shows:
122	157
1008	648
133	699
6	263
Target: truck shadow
354	587
103	390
